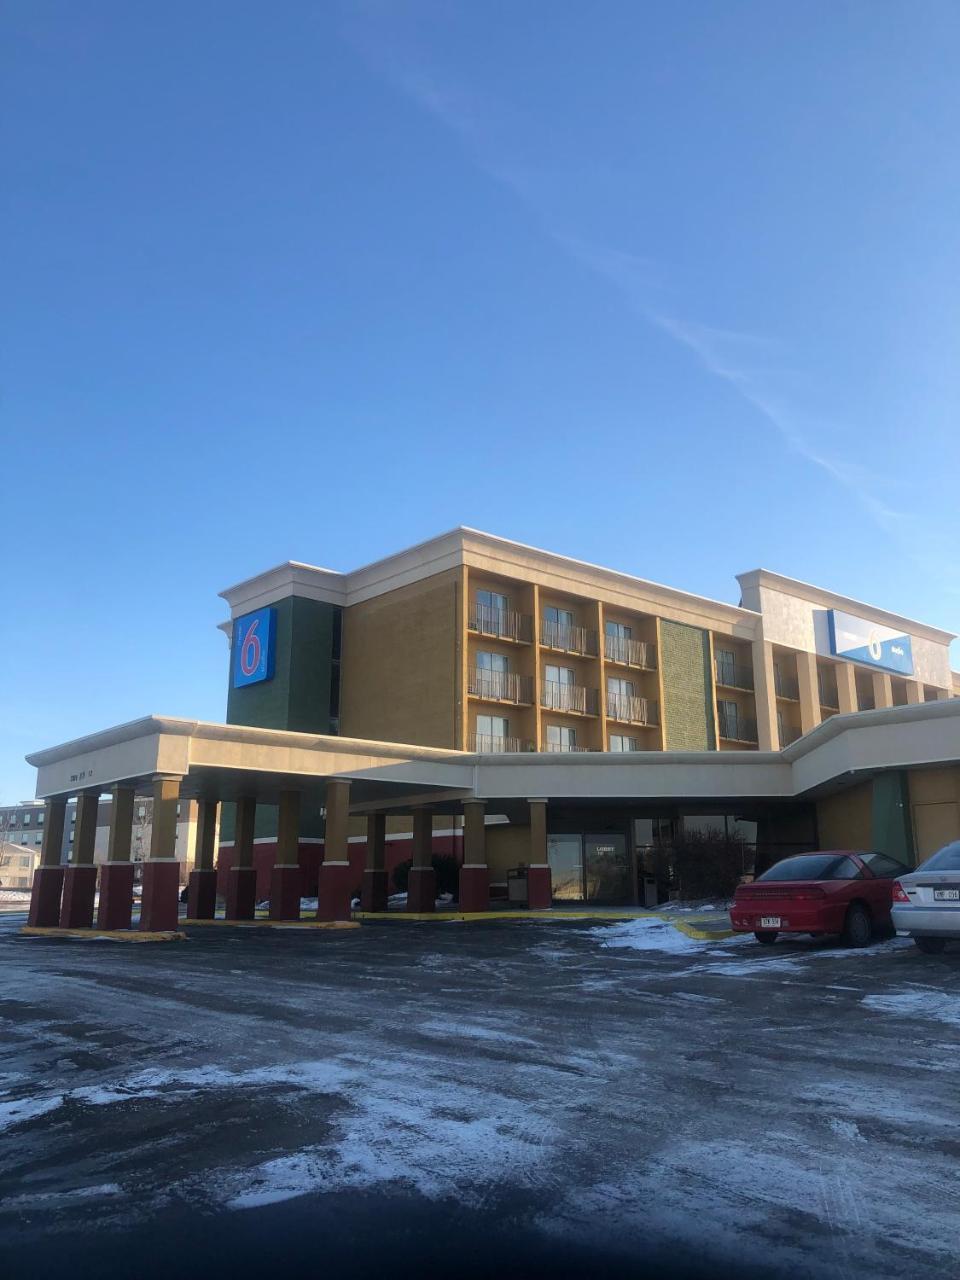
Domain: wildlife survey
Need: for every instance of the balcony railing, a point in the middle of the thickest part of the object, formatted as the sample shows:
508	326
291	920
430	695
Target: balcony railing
500	686
570	697
829	698
866	702
736	728
734	675
631	653
492	744
504	624
786	686
632	710
555	635
556	747
788	734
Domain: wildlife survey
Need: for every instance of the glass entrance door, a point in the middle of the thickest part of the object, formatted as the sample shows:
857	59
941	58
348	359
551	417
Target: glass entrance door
606	869
565	855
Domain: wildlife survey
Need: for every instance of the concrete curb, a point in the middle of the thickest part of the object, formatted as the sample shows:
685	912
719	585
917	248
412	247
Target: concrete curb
520	917
274	924
110	935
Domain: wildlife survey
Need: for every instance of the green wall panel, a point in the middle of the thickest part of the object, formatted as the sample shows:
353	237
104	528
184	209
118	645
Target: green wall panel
687	687
891	817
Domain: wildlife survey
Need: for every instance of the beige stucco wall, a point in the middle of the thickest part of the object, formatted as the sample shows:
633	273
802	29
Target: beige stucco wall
845	821
507	847
401	664
934	808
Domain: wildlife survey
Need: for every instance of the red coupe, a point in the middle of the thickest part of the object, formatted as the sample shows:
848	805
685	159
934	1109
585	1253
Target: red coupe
840	891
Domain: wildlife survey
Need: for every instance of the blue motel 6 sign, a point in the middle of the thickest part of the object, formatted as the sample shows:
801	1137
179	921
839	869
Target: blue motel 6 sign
860	641
254	641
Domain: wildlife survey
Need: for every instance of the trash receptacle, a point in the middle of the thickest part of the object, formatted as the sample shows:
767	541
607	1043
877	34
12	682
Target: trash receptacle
648	889
517	885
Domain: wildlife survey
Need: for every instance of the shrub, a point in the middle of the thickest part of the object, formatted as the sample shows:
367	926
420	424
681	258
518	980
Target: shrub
447	870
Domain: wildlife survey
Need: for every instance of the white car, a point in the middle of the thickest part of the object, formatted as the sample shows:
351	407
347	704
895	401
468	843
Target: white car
926	903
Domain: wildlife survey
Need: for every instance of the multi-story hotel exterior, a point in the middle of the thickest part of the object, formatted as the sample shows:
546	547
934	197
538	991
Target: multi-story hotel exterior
476	643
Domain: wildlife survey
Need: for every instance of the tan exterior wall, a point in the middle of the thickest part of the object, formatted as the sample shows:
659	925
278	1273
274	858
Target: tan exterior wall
934	808
401	664
845	821
507	847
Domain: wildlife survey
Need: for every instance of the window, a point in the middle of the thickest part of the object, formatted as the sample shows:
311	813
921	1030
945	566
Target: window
726	666
617	688
619	630
619	742
73	815
38	838
728	712
561	738
945	859
40	817
883	866
25	861
558	617
26	819
491	730
492	662
493	601
814	866
141	811
559	675
71	837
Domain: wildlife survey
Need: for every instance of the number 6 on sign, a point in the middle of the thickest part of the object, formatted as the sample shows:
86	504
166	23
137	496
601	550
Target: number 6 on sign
253	646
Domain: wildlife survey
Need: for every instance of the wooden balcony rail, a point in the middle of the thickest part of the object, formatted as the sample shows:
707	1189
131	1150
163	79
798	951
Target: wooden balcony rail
632	710
554	635
504	624
631	653
492	744
500	686
570	697
735	728
734	674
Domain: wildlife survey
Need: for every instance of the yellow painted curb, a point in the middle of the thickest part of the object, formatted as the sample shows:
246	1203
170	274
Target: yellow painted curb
276	924
112	935
519	917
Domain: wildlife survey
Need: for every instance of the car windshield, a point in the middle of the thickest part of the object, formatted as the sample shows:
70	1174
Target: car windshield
812	866
945	859
883	866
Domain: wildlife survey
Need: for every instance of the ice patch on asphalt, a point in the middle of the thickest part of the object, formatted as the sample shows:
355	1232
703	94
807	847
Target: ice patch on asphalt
646	934
20	1110
935	1005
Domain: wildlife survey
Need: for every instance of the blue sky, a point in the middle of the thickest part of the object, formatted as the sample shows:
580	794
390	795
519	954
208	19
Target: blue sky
667	286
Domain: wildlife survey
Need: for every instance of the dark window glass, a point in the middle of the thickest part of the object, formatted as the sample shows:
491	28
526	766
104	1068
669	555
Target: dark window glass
883	866
813	866
945	859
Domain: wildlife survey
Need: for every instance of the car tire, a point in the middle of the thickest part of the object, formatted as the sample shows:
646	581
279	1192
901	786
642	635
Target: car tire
766	936
931	946
858	927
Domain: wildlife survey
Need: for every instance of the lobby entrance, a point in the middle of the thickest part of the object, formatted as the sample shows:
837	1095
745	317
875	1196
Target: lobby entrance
590	868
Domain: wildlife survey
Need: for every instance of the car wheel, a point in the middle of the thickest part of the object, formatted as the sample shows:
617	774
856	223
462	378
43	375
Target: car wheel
931	946
765	936
858	927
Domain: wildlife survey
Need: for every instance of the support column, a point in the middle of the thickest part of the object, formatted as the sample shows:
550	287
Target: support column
847	687
333	898
422	882
375	890
809	691
475	874
285	876
47	891
914	692
159	903
80	877
882	689
539	885
765	696
241	886
202	886
116	875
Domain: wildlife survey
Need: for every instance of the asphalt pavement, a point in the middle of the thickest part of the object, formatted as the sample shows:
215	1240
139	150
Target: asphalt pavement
477	1100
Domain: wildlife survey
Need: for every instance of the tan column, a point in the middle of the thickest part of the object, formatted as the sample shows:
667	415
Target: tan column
207	814
882	689
121	824
163	832
336	830
914	692
474	833
161	871
847	686
288	829
423	837
764	696
943	695
539	887
809	691
377	842
54	821
85	831
243	834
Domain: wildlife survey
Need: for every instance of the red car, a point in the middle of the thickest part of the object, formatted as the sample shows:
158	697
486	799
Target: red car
838	891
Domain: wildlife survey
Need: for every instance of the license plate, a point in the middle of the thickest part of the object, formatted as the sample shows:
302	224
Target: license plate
946	895
769	922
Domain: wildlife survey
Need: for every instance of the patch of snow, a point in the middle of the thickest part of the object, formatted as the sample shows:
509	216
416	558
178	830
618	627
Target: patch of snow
53	1199
398	899
20	1110
935	1006
354	904
308	904
645	934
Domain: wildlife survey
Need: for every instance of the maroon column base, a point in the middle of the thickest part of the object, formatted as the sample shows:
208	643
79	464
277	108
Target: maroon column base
374	891
539	889
336	889
422	889
202	894
475	888
116	895
285	893
45	897
79	889
240	894
160	897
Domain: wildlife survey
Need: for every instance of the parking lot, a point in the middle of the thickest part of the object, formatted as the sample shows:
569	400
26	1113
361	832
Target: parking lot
497	1098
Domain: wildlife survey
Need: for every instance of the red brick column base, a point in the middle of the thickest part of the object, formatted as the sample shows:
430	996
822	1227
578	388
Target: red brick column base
202	894
422	889
374	891
160	897
335	891
285	893
539	888
240	893
45	897
116	895
474	887
79	889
